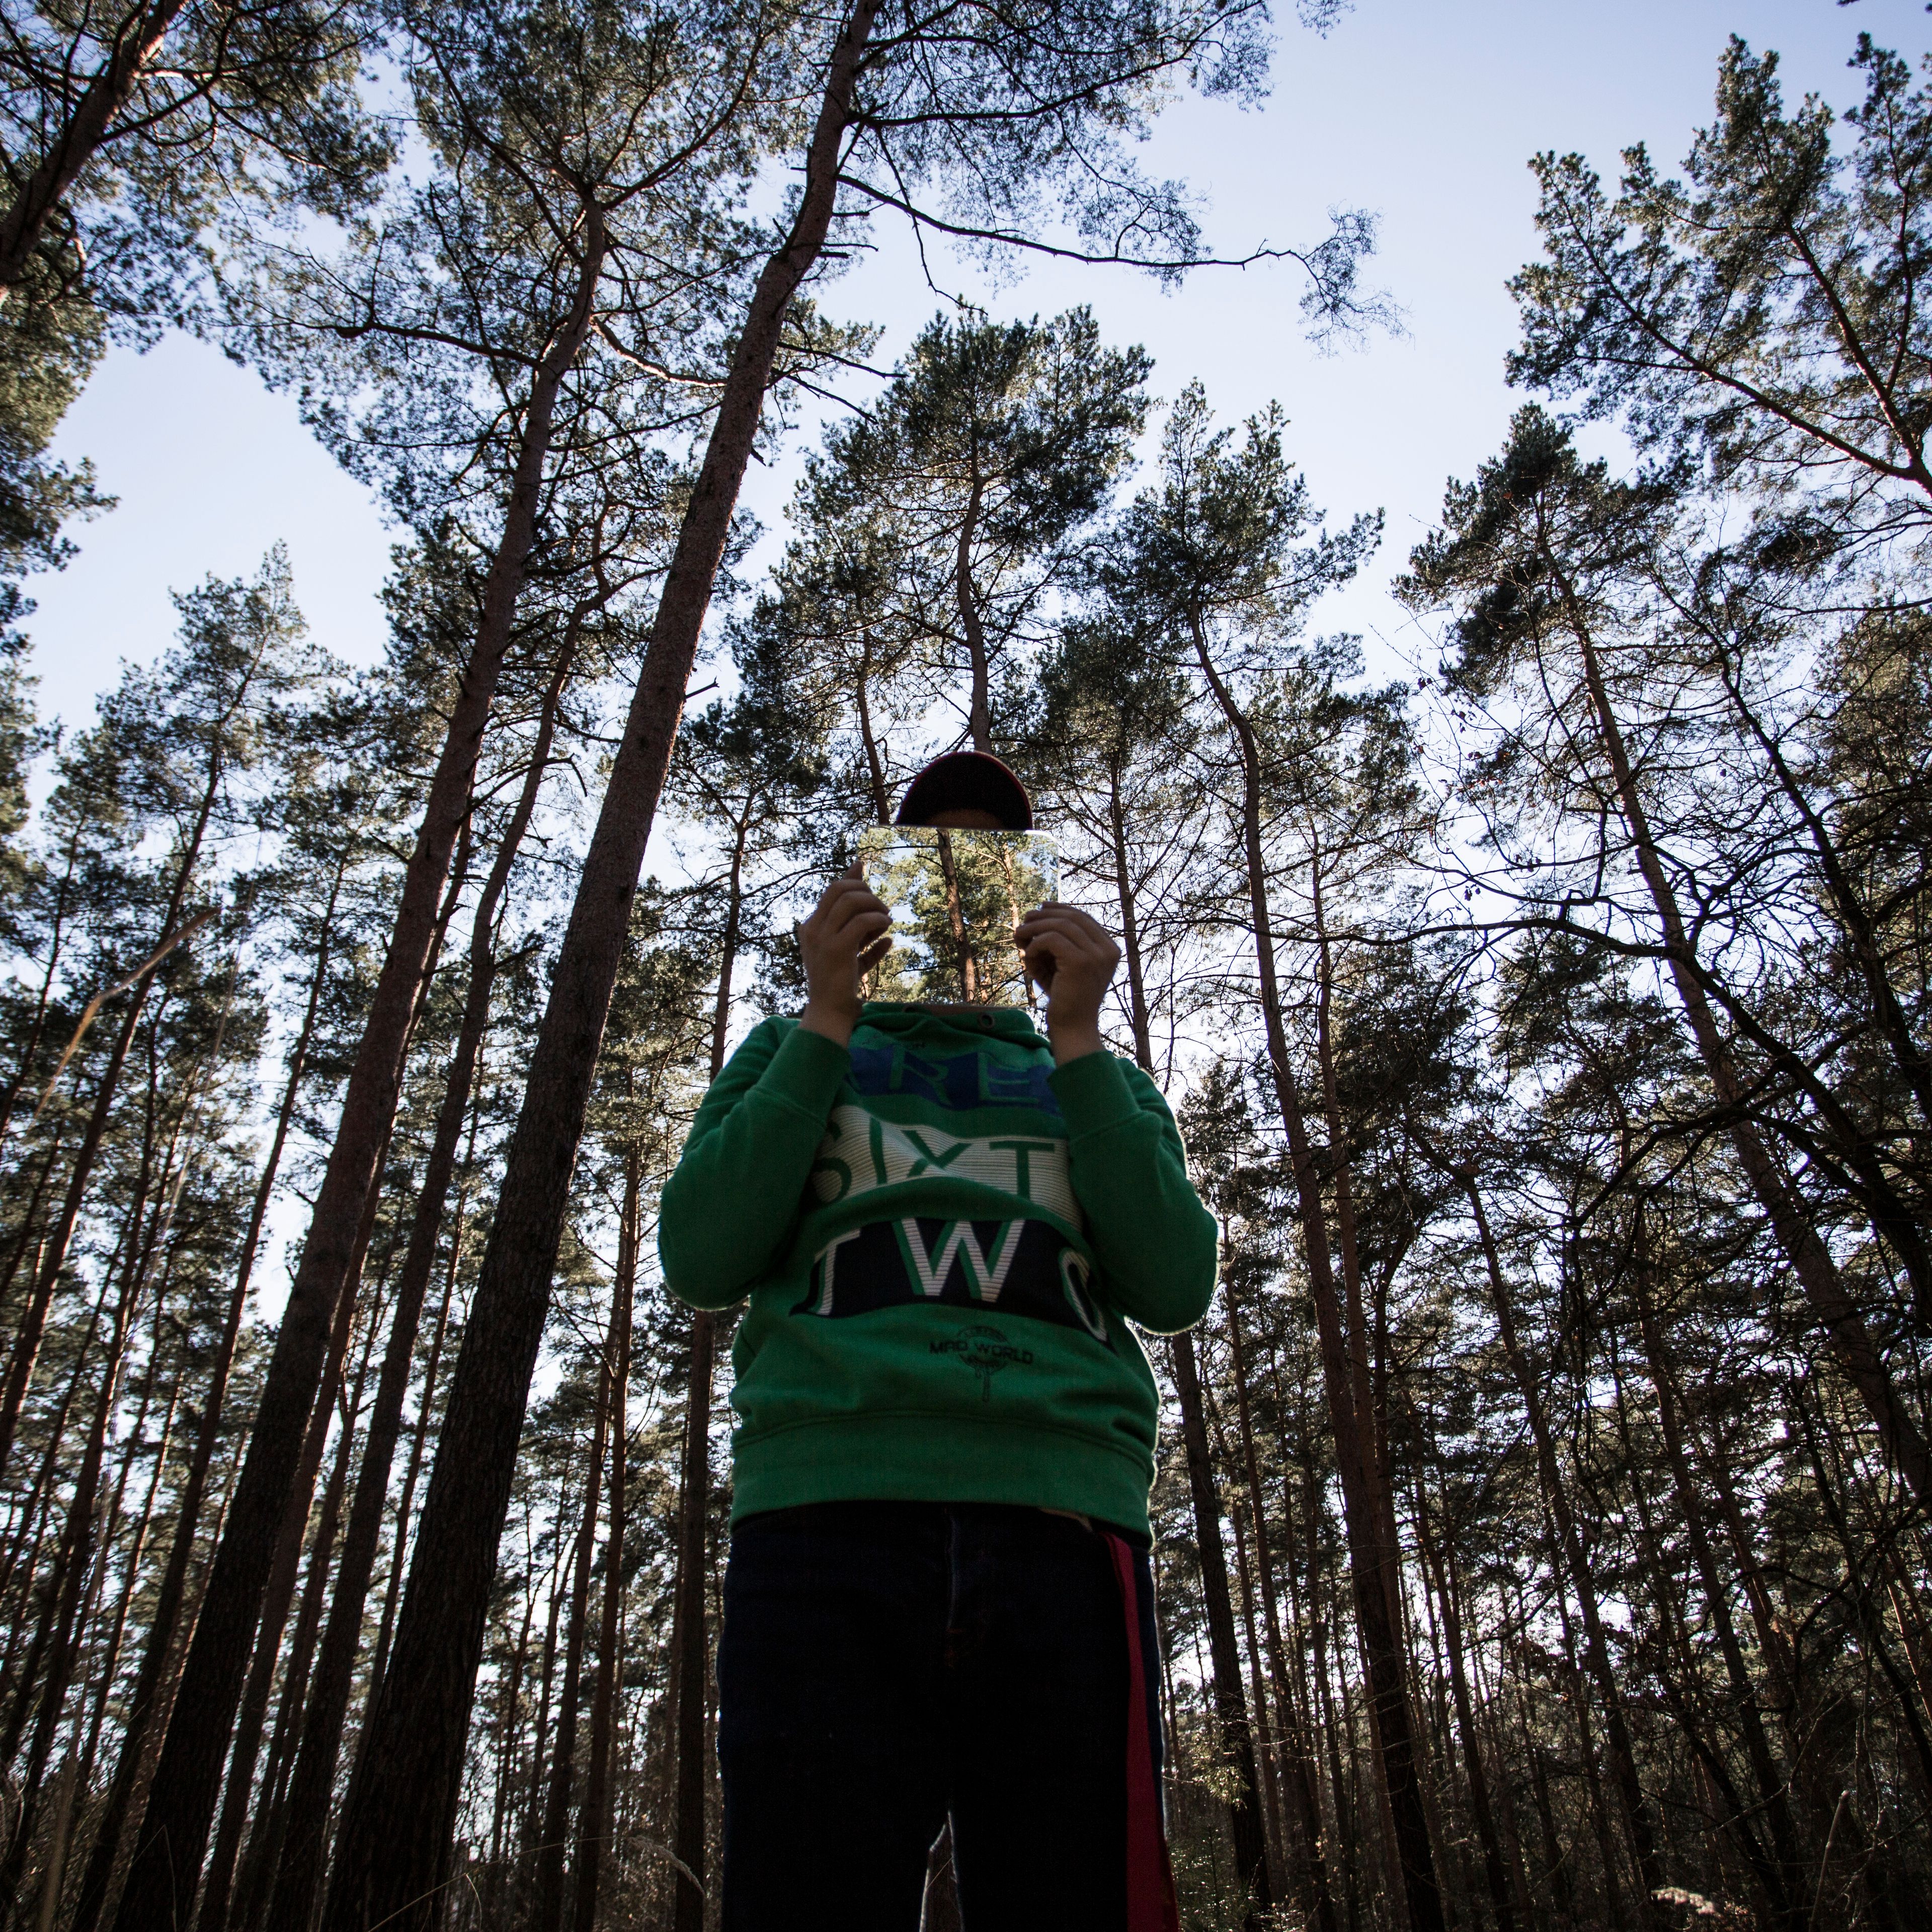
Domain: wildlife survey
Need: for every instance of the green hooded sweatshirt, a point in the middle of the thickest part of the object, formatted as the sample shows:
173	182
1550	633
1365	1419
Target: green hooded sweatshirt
941	1234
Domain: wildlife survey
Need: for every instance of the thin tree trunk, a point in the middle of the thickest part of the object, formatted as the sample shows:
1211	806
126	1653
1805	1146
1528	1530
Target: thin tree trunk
52	1260
263	1850
1138	1015
1824	1289
690	1636
1234	1740
1495	1873
1586	1752
43	999
1265	1731
276	1598
690	1644
162	1879
136	1757
1291	1754
419	1437
73	1569
1772	1792
297	1881
1623	1760
979	709
137	1550
37	1518
553	1847
1371	1565
594	1823
53	1257
875	768
400	1812
1230	1713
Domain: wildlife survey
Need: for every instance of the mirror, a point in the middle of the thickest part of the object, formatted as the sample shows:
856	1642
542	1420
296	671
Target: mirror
956	897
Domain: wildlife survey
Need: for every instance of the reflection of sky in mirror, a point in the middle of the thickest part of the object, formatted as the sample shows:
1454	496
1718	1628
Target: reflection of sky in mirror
955	898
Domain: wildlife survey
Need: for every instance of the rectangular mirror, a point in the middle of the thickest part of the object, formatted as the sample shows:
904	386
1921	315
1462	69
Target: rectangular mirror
956	897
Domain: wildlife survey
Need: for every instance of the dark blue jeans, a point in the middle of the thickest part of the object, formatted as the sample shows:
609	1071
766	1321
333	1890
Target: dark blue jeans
882	1665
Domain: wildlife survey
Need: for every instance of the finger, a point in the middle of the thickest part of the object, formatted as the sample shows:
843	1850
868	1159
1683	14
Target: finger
1047	953
1091	939
870	956
838	899
1055	914
858	931
842	887
841	920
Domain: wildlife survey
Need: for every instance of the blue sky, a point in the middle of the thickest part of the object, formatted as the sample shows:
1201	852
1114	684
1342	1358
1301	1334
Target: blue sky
1426	113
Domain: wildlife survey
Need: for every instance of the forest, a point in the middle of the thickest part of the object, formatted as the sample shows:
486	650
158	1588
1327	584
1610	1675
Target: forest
1544	1512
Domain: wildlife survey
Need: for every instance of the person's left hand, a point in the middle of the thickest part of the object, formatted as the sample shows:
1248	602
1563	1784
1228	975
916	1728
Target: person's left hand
1068	952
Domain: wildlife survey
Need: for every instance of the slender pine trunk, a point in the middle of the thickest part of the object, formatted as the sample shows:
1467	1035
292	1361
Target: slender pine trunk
128	1793
1831	1302
1623	1759
161	1882
400	1813
1344	1374
594	1824
1230	1713
298	1880
553	1847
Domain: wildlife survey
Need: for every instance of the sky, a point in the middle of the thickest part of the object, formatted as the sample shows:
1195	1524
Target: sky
1425	113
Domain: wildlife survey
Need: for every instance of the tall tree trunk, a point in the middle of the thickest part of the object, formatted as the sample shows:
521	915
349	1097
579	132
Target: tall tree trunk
1265	1725
166	1865
53	1257
401	1808
1831	1301
1292	1753
1233	1741
690	1641
279	1594
1371	1565
257	1865
690	1648
24	1557
298	1877
52	1260
137	1550
593	1829
77	141
1231	1713
127	1792
979	708
30	1048
875	767
1138	1016
77	1550
419	1434
553	1846
1495	1872
1623	1759
1771	1790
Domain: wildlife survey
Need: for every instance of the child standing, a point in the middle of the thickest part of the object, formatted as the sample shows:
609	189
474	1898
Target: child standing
938	1601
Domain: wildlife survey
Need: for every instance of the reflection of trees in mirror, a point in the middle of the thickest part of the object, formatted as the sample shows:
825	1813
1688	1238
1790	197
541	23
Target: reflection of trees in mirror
956	897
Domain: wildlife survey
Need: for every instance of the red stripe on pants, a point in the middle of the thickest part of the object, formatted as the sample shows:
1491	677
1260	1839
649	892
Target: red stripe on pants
1151	1906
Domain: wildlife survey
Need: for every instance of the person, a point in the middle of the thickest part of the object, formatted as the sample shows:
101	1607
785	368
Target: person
938	1602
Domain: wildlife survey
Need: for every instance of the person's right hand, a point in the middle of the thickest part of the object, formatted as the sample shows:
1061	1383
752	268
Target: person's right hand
848	933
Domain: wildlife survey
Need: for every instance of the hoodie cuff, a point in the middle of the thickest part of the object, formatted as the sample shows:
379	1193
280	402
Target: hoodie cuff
1093	1094
806	1071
